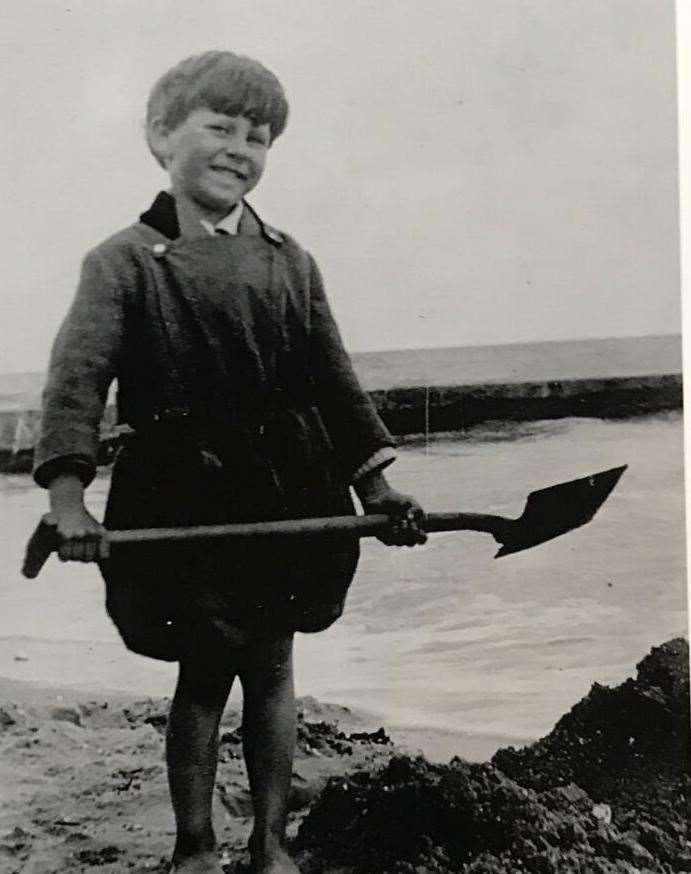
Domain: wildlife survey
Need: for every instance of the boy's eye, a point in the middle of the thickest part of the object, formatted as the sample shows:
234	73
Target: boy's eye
256	138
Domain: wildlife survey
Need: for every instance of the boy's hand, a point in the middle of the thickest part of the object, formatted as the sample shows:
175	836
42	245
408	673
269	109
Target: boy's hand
82	537
407	516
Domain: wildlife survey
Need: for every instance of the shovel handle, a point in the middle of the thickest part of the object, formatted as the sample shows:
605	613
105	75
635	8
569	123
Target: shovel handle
45	538
42	542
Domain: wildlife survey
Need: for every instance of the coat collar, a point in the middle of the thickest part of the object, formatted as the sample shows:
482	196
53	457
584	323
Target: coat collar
162	216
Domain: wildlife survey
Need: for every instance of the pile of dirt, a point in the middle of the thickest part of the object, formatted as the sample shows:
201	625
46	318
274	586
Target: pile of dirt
628	748
606	792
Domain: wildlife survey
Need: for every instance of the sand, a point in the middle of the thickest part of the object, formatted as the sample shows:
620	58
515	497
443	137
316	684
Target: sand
84	788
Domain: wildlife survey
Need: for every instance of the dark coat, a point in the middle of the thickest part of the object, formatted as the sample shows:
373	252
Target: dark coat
244	405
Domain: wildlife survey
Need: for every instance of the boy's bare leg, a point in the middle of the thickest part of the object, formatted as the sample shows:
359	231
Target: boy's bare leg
192	755
268	734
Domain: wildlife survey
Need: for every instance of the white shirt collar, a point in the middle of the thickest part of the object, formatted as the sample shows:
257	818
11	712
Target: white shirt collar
229	223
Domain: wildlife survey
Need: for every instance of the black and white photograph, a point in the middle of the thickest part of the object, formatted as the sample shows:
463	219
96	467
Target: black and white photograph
342	499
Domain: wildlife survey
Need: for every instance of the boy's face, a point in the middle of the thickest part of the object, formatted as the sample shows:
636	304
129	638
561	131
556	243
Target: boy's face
214	160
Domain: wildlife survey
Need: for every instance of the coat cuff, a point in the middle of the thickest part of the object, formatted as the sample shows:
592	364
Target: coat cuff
382	458
77	465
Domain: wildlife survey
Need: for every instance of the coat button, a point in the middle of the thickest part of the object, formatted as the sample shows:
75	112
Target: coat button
159	250
273	235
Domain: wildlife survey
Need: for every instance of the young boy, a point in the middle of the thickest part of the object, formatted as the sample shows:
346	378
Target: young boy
243	406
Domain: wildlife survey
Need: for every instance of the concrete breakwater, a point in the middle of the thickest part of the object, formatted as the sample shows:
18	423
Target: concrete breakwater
436	409
439	390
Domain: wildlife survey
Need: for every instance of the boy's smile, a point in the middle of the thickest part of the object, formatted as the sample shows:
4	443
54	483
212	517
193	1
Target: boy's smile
214	160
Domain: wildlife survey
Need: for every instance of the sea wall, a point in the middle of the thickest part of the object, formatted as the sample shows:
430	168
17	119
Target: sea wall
431	409
420	409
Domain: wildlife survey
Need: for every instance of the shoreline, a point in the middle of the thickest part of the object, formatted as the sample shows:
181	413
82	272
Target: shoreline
437	744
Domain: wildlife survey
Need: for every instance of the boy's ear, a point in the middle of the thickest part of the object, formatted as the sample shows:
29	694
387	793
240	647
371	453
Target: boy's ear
158	136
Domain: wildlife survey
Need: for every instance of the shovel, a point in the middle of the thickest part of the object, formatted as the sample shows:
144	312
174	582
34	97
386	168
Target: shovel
548	513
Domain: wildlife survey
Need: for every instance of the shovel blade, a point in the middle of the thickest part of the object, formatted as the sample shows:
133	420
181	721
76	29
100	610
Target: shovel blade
555	510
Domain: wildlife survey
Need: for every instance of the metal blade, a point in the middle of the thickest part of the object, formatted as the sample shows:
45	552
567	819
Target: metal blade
555	510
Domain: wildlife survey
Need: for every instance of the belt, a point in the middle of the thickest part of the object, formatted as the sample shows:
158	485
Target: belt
184	419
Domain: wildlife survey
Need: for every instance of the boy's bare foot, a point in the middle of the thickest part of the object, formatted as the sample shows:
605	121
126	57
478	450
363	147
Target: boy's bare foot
202	863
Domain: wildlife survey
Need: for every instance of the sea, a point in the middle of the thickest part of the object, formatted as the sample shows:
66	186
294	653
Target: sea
443	637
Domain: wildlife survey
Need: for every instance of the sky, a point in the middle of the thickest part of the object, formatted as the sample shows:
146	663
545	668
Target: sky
464	171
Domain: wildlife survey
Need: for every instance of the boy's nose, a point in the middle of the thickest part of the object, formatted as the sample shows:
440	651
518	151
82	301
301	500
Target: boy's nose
236	146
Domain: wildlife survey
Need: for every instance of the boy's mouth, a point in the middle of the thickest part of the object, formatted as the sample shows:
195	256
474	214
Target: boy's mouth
231	171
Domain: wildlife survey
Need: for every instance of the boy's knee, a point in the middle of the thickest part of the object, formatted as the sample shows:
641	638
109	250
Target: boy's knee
199	688
268	662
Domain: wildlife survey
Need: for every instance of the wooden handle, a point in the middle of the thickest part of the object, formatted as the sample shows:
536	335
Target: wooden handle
359	526
45	538
42	542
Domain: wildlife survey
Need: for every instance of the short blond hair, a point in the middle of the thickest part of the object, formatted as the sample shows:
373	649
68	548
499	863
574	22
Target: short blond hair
222	82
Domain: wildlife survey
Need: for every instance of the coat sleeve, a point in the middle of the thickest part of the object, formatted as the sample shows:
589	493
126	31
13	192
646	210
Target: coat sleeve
356	431
83	364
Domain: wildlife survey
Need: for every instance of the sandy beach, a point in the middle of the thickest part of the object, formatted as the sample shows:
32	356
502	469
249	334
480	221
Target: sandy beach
606	791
